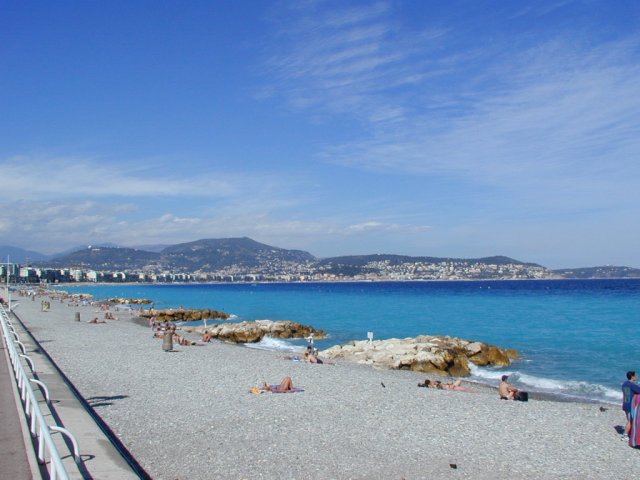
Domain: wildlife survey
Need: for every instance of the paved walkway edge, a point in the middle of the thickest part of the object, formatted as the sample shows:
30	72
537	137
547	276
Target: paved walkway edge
104	456
24	424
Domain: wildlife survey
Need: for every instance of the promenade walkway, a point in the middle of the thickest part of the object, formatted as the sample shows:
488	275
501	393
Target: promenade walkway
99	457
14	455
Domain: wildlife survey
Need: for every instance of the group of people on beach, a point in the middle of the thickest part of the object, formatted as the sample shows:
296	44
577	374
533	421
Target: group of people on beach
310	355
168	332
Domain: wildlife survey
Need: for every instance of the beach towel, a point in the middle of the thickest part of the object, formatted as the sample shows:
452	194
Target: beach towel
634	435
257	391
293	390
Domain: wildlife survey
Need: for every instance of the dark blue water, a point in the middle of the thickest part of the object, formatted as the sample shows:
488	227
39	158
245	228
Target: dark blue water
577	337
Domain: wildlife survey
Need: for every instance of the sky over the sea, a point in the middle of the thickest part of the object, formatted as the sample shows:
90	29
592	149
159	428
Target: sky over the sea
441	128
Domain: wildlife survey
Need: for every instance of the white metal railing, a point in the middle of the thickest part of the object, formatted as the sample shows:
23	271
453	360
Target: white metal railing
37	424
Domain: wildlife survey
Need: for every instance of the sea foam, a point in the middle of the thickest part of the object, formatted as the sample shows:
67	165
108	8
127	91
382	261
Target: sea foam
566	388
275	344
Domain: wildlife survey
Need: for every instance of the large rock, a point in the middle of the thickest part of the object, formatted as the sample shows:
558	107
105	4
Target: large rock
252	332
460	367
430	354
130	301
183	314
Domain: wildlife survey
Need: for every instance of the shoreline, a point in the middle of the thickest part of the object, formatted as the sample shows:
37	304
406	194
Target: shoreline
189	413
534	394
263	282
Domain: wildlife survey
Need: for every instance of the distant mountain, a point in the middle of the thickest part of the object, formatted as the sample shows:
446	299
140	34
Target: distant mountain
19	255
359	260
216	254
206	255
240	256
81	247
599	272
105	258
151	248
362	264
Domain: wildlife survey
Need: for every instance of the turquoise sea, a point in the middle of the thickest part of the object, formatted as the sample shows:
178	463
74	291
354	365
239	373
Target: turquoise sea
577	337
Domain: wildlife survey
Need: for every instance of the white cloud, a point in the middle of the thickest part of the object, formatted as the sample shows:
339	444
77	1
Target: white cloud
343	60
556	116
38	177
564	121
372	226
50	227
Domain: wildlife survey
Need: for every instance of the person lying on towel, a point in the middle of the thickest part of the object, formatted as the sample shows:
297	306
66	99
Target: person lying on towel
286	385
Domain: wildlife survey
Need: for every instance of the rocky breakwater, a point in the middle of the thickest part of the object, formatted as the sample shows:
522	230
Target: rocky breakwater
183	314
130	301
445	356
252	332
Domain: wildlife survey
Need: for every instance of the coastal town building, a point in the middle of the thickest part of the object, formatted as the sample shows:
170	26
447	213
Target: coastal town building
285	272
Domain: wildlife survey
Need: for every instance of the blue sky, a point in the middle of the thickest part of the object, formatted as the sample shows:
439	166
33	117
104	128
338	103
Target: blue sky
458	128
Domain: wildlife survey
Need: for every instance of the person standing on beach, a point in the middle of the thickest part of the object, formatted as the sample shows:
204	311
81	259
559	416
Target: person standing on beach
629	389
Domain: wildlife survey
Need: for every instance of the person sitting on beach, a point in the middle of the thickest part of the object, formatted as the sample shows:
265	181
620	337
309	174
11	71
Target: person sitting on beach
506	391
286	385
206	337
309	357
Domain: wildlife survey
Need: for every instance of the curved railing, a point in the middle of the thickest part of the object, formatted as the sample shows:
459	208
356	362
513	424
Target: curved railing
37	424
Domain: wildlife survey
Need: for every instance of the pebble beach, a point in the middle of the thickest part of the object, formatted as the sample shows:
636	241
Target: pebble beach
188	414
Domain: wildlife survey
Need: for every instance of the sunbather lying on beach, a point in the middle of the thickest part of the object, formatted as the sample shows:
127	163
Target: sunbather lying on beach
183	341
295	358
95	320
457	385
437	384
286	385
431	384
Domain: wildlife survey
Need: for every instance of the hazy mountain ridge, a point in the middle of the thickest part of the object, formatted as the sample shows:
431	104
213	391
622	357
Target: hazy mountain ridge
352	265
247	254
20	255
215	254
105	258
200	255
400	259
607	271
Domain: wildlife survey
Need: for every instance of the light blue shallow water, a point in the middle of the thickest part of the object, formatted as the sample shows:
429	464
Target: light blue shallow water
577	338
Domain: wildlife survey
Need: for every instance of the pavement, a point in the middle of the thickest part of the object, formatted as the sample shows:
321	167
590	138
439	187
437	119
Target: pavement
101	457
14	452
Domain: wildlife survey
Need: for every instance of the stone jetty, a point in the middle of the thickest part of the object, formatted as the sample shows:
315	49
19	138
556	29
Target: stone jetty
446	356
130	301
183	314
252	332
